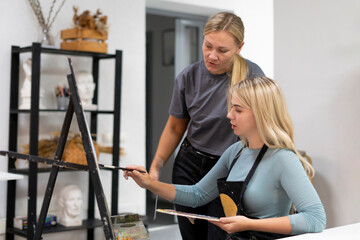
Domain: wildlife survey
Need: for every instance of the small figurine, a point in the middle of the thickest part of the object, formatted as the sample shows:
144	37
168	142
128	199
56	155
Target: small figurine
25	92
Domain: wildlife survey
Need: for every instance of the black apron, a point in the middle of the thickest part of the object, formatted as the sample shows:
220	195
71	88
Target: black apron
231	195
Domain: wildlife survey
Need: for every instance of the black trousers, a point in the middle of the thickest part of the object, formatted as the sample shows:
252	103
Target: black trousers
189	168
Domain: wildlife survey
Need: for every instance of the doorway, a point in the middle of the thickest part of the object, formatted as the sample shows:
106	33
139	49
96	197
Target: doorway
172	43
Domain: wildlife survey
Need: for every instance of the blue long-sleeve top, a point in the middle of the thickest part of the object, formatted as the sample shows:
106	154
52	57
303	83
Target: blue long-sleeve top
278	181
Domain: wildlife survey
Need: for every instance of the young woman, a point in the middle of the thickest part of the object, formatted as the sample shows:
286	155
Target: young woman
199	104
279	176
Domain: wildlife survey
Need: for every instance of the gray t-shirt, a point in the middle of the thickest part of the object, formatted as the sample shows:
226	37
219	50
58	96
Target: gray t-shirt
202	97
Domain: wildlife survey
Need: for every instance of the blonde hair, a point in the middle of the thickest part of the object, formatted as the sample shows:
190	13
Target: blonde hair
266	100
225	21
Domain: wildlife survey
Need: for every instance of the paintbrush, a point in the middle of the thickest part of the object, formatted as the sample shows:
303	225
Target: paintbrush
119	168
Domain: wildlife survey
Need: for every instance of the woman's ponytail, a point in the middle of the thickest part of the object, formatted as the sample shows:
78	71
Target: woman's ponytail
239	70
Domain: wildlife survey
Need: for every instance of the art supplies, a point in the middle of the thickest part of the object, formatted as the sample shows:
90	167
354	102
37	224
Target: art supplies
129	227
62	97
62	91
188	215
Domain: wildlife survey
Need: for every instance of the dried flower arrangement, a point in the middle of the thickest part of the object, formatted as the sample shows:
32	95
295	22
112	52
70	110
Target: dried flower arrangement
73	152
97	21
89	33
45	25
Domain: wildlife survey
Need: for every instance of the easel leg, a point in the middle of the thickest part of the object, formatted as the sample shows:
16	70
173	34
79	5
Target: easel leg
54	170
91	159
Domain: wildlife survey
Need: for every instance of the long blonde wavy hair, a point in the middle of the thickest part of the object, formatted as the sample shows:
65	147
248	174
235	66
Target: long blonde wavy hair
225	21
265	99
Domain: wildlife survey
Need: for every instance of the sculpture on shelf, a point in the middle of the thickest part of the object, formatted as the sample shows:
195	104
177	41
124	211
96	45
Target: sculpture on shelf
70	201
86	87
25	92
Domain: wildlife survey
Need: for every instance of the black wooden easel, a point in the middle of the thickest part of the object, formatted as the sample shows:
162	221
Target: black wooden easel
93	168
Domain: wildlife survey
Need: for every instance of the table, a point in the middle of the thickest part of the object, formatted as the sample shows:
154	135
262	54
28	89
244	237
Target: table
351	231
5	176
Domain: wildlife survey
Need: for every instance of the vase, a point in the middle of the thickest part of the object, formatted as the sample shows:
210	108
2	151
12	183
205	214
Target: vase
46	39
62	102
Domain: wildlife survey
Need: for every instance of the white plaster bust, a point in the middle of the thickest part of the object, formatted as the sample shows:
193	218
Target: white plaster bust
86	87
25	92
70	201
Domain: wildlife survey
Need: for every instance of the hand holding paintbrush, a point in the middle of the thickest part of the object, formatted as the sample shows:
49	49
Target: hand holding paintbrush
119	168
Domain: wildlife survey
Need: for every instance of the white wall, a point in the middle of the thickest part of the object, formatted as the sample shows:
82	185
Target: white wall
127	32
317	63
259	32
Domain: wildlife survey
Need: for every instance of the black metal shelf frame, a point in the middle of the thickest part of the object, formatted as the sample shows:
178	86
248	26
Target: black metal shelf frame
36	51
86	224
64	52
24	111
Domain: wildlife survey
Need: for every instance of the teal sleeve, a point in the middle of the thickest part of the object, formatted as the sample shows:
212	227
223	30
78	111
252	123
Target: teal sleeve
310	216
206	190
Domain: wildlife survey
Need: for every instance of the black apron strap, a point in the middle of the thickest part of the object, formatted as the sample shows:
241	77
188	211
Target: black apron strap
252	170
234	161
248	177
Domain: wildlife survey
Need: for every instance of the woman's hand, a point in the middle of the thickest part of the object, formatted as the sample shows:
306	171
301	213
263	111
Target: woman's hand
279	225
142	179
233	224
